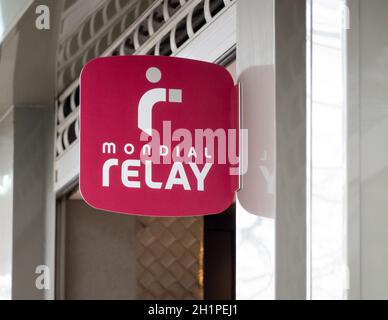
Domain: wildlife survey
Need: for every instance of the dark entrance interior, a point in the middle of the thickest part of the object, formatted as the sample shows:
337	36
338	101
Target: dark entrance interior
104	255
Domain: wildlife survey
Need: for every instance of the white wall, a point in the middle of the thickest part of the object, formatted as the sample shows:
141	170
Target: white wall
271	44
27	88
6	200
328	152
368	149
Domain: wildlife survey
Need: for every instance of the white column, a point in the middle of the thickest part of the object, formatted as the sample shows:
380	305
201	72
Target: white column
6	202
273	33
367	149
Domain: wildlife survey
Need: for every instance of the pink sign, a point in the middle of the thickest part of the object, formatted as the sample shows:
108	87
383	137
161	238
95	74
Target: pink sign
158	136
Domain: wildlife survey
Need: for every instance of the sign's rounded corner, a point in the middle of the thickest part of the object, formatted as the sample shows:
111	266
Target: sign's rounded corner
225	206
89	64
85	198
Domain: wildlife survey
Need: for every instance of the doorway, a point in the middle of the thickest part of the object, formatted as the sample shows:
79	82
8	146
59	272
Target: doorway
104	255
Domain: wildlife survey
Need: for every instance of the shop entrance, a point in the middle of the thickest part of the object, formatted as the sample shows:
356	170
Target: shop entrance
104	255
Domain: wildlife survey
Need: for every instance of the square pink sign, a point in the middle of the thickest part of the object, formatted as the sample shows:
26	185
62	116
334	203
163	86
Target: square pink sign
158	136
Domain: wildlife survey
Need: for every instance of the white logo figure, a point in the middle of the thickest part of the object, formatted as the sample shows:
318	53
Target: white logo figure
153	96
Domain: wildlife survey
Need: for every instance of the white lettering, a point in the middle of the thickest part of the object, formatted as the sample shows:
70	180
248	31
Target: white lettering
109	147
201	175
42	282
149	182
105	171
42	21
126	173
129	151
163	151
173	179
177	176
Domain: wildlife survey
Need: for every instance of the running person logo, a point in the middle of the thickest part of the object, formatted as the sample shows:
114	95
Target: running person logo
152	97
